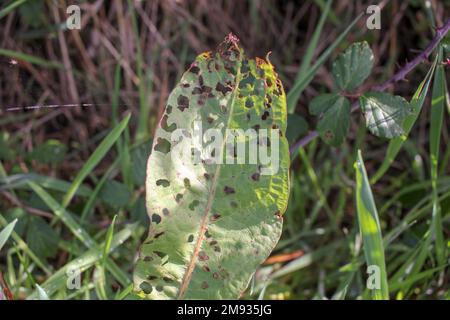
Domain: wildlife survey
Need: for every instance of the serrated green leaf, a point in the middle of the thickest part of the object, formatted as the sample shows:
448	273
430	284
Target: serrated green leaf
297	126
335	117
213	224
353	66
384	113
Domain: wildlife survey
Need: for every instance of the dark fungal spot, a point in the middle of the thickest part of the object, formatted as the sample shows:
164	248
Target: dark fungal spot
162	145
165	211
213	243
169	109
148	259
167	279
210	120
206	269
207	234
215	217
160	254
217	249
207	176
265	115
202	256
223	109
159	288
197	90
185	85
268	82
256	127
151	278
156	218
163	183
228	190
205	285
274	126
216	275
255	176
223	89
249	103
190	238
234	204
157	235
194	204
278	214
183	102
178	197
146	287
194	69
187	183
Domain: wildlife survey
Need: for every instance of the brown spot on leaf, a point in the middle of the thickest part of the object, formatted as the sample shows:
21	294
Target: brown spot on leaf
205	285
221	88
162	145
183	102
228	190
255	176
202	256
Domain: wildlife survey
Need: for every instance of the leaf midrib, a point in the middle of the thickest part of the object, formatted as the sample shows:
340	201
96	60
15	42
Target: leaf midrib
204	221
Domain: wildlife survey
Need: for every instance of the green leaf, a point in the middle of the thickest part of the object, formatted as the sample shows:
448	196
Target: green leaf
384	113
41	238
416	106
212	223
139	158
297	126
115	194
41	293
369	226
50	152
353	66
335	117
6	232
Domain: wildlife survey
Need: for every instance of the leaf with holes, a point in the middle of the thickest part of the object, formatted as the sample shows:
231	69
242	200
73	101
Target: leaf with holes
353	66
214	201
335	117
384	113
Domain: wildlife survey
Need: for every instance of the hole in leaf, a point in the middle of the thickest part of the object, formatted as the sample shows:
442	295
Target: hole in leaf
163	145
228	190
194	204
190	238
163	182
165	211
156	218
146	287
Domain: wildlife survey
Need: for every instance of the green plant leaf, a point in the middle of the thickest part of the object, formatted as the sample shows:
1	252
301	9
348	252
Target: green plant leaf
353	66
50	152
213	224
115	194
369	226
42	239
335	117
297	126
384	113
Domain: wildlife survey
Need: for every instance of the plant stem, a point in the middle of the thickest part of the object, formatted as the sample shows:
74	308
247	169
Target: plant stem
400	75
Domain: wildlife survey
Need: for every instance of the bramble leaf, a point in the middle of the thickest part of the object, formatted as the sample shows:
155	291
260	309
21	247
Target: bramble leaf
353	66
214	222
335	117
384	113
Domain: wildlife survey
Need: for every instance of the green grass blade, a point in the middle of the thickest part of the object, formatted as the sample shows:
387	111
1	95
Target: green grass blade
370	230
10	7
437	117
95	158
41	293
6	232
299	86
31	59
306	61
395	144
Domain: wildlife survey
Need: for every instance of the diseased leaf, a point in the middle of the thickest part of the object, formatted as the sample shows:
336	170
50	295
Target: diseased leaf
335	117
353	66
384	113
213	223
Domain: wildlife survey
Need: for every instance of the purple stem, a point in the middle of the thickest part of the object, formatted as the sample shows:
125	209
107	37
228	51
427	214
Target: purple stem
400	75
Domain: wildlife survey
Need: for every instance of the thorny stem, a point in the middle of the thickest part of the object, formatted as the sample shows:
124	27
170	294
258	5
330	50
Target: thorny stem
400	75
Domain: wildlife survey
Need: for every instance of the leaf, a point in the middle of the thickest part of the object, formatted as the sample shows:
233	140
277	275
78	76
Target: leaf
139	158
335	119
395	144
6	232
353	66
50	152
297	126
41	293
384	113
369	226
115	194
41	238
212	223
